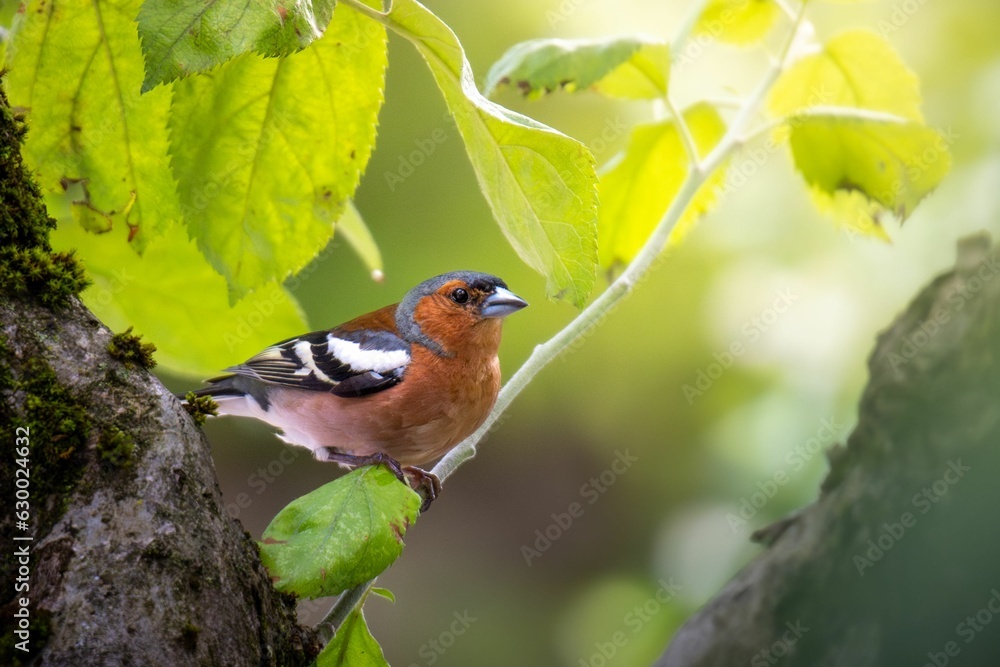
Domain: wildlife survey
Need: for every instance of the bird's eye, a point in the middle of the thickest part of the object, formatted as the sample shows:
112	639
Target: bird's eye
459	295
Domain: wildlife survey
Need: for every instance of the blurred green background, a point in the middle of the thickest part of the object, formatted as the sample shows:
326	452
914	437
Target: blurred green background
697	457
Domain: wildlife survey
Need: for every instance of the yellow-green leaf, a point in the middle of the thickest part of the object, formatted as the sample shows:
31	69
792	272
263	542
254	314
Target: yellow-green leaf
353	645
853	211
268	150
341	535
182	37
632	67
177	301
854	69
637	190
862	168
539	183
738	21
77	67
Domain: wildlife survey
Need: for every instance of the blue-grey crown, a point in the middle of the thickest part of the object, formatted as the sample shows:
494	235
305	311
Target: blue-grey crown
408	327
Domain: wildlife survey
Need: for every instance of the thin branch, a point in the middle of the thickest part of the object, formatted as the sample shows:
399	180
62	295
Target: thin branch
327	628
786	8
850	113
762	130
690	21
371	13
844	113
687	139
734	135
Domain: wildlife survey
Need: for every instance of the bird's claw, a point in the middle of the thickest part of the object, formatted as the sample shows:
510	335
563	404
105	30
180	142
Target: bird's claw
425	483
332	455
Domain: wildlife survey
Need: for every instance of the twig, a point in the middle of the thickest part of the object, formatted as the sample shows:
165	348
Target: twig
690	21
349	599
687	139
786	8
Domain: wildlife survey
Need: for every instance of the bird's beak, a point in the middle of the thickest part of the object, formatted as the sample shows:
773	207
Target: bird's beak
501	304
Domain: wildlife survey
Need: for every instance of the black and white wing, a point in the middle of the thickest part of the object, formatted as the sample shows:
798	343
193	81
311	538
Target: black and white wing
345	363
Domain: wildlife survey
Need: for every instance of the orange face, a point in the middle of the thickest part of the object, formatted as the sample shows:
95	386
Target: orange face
453	316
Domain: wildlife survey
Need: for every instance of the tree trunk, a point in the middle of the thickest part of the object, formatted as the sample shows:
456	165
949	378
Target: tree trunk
133	558
898	561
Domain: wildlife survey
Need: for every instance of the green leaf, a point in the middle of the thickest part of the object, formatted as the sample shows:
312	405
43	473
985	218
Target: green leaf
539	183
177	301
353	645
738	22
860	169
76	65
854	69
267	151
340	535
181	37
383	592
637	190
352	228
629	67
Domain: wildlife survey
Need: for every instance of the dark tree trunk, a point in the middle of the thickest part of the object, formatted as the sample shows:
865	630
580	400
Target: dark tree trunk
898	561
133	558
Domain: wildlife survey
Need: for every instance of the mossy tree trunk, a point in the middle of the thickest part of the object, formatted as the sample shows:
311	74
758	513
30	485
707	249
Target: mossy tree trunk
133	558
898	561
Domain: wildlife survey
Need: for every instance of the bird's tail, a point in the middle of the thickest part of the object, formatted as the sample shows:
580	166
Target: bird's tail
234	394
221	387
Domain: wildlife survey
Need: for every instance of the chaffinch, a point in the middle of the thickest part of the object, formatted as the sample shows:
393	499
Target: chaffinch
400	386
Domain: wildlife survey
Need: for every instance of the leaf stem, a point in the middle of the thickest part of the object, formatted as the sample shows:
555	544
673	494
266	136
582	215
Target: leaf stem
848	113
786	8
370	12
349	599
690	21
687	139
843	113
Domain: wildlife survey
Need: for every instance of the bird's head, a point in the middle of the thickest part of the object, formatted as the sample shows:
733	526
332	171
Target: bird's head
457	313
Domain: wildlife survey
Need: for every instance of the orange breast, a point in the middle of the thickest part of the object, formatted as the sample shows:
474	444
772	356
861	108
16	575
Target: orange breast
439	403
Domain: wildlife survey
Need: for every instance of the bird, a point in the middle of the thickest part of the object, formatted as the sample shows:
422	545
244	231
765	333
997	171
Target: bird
399	386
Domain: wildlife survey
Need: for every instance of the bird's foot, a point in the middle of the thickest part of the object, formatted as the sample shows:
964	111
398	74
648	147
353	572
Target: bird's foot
330	454
425	483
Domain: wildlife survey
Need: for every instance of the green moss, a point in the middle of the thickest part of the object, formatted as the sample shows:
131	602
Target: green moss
116	447
57	427
189	636
6	377
49	277
39	627
200	407
29	269
131	351
23	219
